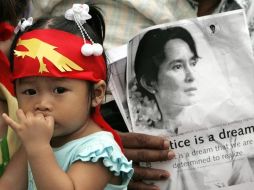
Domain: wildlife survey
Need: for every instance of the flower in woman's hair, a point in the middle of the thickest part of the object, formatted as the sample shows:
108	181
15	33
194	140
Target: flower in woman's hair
145	109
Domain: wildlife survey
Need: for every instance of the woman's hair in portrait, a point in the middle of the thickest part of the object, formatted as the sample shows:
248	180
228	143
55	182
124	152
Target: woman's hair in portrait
150	52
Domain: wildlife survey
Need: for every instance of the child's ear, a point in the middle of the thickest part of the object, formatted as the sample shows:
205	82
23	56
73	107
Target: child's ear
99	93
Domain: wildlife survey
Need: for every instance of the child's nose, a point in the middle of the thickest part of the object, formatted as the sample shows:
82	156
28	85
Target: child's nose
43	104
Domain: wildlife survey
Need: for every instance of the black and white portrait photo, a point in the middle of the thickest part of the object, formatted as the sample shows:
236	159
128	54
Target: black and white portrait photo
191	81
181	76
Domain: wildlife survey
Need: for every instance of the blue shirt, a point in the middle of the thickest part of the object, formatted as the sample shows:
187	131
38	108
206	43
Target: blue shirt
99	145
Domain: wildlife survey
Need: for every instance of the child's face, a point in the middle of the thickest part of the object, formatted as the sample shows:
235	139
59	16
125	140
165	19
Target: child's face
67	100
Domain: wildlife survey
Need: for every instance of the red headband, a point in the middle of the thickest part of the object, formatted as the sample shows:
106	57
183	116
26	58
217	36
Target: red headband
6	31
55	53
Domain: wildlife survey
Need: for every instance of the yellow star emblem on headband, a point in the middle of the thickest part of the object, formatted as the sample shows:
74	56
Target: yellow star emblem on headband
39	49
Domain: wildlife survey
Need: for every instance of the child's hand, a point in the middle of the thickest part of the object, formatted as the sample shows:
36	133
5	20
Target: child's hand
34	130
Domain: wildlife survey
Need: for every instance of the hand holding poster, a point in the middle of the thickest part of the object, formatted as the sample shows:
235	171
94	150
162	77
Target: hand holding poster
191	82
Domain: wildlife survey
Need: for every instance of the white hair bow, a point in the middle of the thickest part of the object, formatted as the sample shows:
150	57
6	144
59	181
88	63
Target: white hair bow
23	24
79	12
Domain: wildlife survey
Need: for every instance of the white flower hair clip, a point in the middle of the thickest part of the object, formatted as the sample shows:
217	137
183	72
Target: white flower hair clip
80	13
23	24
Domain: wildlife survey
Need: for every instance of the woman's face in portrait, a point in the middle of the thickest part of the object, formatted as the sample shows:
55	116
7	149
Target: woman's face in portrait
176	76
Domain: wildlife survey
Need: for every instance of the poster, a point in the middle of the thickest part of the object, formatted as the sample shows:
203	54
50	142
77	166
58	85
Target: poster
191	81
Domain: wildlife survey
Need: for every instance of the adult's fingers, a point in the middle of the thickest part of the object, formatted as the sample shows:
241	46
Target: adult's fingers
138	140
139	185
143	173
148	155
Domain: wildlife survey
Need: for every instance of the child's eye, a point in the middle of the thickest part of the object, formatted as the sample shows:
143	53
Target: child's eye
29	92
60	90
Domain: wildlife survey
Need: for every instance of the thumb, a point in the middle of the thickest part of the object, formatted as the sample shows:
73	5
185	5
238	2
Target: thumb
50	121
